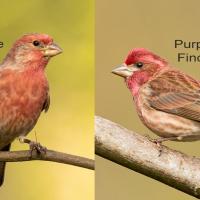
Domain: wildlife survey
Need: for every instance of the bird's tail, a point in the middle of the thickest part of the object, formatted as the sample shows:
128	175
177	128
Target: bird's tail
3	164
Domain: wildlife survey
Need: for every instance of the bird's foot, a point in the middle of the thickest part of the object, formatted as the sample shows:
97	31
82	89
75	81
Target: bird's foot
160	140
34	146
158	143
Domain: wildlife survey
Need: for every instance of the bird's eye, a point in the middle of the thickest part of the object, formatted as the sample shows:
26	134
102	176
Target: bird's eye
139	64
36	43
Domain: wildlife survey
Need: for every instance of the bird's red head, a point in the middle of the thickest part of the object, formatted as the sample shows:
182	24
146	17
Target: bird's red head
30	38
32	48
144	56
139	66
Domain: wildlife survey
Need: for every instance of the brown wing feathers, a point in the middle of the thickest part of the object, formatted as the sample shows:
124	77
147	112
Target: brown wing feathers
170	97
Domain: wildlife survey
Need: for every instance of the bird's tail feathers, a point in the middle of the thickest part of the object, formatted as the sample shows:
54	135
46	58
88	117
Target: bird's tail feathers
3	164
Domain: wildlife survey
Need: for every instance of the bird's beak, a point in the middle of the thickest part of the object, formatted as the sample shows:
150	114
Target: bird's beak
52	50
123	71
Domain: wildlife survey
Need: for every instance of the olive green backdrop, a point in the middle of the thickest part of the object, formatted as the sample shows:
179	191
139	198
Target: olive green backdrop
121	26
68	125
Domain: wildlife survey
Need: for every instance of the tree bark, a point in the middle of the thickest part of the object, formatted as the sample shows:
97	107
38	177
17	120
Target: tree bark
138	153
49	155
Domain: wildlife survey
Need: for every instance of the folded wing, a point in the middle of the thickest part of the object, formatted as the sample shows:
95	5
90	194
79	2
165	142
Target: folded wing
176	93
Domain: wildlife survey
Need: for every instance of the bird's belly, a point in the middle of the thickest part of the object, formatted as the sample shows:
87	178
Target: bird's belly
17	120
19	112
168	125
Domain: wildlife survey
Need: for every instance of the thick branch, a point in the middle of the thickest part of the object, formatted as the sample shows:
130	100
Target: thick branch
54	156
136	152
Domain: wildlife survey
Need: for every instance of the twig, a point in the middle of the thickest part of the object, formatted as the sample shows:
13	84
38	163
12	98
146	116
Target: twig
136	152
54	156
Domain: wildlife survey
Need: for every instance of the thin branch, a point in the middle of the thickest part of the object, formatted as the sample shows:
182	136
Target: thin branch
136	152
54	156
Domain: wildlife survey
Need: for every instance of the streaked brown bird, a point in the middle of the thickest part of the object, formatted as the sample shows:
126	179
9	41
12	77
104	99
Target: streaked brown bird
24	90
167	100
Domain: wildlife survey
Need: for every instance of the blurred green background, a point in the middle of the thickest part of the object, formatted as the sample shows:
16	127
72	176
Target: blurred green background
121	26
68	125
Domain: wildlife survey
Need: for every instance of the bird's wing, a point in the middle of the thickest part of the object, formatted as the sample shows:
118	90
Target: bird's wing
176	93
46	103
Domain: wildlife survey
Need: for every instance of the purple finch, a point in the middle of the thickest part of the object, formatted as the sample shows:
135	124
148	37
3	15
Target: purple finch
167	100
24	91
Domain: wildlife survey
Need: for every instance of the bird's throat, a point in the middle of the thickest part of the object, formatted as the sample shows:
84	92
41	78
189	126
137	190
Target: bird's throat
136	81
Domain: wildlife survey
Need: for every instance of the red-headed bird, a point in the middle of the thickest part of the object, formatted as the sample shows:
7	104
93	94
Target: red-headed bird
167	100
24	91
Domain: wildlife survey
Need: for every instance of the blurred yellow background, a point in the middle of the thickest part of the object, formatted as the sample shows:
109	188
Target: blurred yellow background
121	26
68	125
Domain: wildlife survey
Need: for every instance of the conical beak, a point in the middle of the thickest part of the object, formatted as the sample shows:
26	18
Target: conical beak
52	50
123	71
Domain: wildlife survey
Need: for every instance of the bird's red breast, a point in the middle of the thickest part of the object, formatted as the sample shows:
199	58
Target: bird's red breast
23	94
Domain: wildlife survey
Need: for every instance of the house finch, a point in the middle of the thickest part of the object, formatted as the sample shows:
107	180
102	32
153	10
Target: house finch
167	100
24	92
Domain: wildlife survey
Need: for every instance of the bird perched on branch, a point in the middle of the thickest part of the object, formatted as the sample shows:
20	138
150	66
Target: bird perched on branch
24	91
167	100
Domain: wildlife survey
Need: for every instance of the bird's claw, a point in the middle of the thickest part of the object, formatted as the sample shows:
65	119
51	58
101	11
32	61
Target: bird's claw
158	143
36	146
